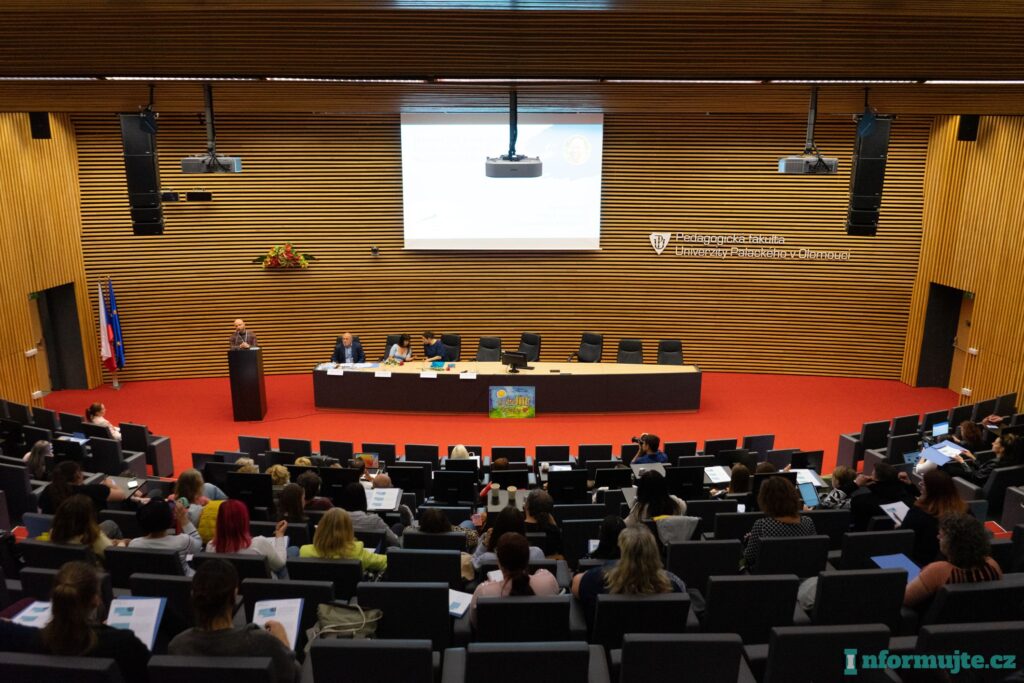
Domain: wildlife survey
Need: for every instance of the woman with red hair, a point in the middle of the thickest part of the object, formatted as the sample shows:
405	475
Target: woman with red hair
232	536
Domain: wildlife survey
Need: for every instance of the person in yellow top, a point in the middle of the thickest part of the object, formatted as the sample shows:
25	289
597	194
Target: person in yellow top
335	540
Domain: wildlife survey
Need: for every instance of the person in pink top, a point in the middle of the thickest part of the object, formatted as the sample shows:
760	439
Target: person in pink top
514	559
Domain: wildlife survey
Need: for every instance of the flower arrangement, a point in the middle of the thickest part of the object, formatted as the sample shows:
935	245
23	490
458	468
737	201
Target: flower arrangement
282	257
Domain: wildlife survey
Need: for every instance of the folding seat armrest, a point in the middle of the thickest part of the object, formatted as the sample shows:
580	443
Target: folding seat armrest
135	461
967	490
562	574
454	669
598	670
908	621
756	658
577	621
462	631
306	676
902	644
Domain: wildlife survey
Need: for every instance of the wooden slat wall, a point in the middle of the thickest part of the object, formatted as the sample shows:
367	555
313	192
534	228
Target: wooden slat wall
40	228
332	185
973	224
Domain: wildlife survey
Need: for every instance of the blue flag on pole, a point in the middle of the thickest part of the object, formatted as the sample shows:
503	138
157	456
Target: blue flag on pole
115	323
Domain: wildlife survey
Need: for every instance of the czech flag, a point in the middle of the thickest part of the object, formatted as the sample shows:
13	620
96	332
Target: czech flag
106	336
115	326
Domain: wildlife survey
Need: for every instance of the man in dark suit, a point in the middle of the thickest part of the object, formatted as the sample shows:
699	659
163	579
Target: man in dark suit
348	351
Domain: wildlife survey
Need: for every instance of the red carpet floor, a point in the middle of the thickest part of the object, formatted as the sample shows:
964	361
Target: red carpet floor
802	412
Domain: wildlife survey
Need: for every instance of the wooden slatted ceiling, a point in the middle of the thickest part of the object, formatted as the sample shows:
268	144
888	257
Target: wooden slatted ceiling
705	38
362	98
973	222
332	185
40	228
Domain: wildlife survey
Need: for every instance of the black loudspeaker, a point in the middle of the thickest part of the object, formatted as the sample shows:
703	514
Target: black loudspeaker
967	129
39	122
142	170
867	175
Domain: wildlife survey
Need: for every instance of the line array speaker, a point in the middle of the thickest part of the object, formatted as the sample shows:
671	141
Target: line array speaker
867	174
39	123
967	128
142	171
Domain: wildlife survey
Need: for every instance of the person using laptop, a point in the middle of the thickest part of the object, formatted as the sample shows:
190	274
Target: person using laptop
348	351
433	349
647	451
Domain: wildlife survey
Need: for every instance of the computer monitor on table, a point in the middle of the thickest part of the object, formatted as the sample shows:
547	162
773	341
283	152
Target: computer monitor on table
515	361
940	429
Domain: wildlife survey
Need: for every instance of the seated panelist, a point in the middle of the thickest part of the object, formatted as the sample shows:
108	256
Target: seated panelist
433	349
348	351
402	351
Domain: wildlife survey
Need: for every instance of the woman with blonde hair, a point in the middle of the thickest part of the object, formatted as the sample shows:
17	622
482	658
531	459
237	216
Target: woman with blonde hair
75	523
247	466
278	475
638	572
459	452
335	540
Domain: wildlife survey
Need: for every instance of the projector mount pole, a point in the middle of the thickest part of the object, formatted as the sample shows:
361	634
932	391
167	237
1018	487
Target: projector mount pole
211	129
513	125
812	114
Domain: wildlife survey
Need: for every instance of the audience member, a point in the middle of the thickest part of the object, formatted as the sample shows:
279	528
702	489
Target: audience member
36	459
939	497
74	630
247	466
964	543
310	482
648	452
157	517
843	485
497	465
739	482
335	540
75	523
67	480
1009	452
233	536
971	436
639	571
291	504
779	502
509	520
435	521
653	499
538	508
194	490
608	539
96	414
885	486
214	597
513	553
303	461
459	452
278	475
765	467
353	500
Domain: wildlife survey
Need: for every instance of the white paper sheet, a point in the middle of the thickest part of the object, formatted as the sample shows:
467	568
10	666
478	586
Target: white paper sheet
428	374
718	474
36	615
141	616
382	499
495	575
458	602
336	371
467	375
288	612
382	373
896	511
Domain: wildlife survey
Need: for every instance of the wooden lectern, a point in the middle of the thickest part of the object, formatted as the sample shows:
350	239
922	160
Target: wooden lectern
248	392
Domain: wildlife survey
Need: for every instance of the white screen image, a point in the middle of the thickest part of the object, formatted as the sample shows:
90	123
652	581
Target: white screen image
450	203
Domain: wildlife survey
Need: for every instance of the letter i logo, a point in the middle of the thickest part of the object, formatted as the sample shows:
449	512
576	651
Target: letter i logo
851	662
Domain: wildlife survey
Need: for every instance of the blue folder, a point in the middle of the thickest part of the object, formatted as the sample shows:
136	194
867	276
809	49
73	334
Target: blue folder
897	561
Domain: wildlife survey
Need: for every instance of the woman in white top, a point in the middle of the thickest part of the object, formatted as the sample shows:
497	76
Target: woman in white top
95	413
232	536
156	518
402	351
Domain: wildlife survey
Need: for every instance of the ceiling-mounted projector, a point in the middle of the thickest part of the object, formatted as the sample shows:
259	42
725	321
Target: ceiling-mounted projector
810	162
211	162
513	165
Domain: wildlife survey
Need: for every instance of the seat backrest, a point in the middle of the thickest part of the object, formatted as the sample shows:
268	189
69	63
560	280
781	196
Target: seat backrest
1001	479
529	344
706	510
523	619
593	451
254	445
860	596
712	446
106	456
36	523
801	555
511	453
47	419
385	451
670	352
126	520
416	539
33	433
576	534
874	434
247	566
134	437
52	555
425	565
695	561
730	600
616	615
123	562
804	654
381	661
420	452
255	490
630	351
905	424
759	443
488	349
413	609
342	450
591	348
452	342
298	532
344	574
313	594
456	514
860	546
301	448
506	663
1003	637
831	523
552	453
70	422
976	602
705	657
15	482
734	524
17	666
177	668
178	612
574	511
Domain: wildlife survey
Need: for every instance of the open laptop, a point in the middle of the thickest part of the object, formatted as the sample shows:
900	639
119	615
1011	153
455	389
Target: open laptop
940	429
372	461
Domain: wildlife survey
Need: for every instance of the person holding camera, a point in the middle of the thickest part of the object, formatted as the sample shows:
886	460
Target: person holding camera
647	450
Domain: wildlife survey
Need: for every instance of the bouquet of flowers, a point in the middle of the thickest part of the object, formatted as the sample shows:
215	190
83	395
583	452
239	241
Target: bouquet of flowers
284	256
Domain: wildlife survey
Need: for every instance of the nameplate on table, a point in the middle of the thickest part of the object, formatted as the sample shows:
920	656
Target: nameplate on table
336	371
382	373
467	375
428	374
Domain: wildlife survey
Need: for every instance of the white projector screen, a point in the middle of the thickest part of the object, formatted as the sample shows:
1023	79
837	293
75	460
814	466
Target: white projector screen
450	203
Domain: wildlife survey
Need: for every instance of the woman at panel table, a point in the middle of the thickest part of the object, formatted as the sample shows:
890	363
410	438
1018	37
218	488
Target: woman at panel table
402	351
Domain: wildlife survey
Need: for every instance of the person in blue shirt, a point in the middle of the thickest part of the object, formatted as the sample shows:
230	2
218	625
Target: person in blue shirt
648	452
348	351
433	349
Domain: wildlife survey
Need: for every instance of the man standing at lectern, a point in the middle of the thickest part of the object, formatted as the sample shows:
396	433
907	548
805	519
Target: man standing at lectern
242	338
348	351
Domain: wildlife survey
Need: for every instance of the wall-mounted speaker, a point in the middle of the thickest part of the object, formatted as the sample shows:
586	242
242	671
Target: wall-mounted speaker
39	123
142	171
867	175
967	127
